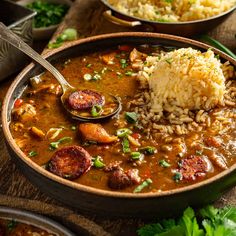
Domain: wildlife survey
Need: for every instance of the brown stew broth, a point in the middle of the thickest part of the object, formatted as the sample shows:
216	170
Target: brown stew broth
117	81
15	228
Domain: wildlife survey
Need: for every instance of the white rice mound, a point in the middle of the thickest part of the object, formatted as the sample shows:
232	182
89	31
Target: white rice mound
172	10
185	78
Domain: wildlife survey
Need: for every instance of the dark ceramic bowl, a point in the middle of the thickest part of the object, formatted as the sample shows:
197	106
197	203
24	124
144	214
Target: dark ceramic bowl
35	220
188	28
111	203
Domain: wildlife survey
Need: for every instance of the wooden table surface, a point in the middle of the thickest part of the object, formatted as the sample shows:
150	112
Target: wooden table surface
86	17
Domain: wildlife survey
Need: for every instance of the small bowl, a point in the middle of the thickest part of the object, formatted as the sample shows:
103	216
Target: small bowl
44	33
29	218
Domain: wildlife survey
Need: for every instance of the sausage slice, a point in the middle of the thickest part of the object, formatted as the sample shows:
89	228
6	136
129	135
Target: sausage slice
70	162
84	99
119	179
193	167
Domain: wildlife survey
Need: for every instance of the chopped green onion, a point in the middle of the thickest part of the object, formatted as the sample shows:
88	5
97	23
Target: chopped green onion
88	65
129	73
98	162
124	132
149	150
48	13
67	35
123	63
131	117
119	74
55	145
33	153
143	185
217	45
96	110
87	77
73	127
177	177
169	61
164	163
199	152
96	77
136	155
70	34
89	142
125	145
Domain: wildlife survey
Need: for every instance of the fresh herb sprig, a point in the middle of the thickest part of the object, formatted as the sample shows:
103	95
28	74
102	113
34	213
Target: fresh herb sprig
216	44
47	13
209	221
68	34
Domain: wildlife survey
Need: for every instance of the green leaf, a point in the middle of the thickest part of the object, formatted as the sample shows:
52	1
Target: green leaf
150	230
149	150
131	117
98	162
124	132
33	153
164	163
125	145
136	155
143	185
96	110
55	145
216	44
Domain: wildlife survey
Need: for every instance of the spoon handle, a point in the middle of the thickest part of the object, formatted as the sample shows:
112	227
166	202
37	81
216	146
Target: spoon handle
8	36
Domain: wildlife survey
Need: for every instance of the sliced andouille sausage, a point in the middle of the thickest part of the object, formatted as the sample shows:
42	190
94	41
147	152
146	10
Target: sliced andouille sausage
70	162
95	132
192	167
120	179
84	99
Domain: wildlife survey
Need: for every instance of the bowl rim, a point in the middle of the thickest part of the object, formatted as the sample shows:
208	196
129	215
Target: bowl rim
41	221
170	23
92	190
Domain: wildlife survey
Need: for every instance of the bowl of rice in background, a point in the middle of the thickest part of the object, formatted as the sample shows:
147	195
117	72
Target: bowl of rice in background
180	17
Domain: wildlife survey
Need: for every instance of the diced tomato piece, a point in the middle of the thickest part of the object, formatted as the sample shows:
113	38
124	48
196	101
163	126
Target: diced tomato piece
136	135
18	102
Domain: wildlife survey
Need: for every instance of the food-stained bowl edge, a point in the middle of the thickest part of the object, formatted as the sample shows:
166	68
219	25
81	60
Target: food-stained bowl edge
122	37
33	219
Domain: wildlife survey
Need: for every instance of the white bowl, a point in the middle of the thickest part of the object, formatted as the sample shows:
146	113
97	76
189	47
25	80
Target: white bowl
44	33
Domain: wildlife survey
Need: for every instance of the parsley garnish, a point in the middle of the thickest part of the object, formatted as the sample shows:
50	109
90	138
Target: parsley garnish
123	63
143	185
33	153
208	221
131	117
55	145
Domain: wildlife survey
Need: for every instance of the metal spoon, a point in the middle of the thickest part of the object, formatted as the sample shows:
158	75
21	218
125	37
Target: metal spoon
8	36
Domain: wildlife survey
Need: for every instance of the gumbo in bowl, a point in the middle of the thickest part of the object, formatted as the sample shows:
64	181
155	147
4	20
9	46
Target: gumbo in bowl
176	126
